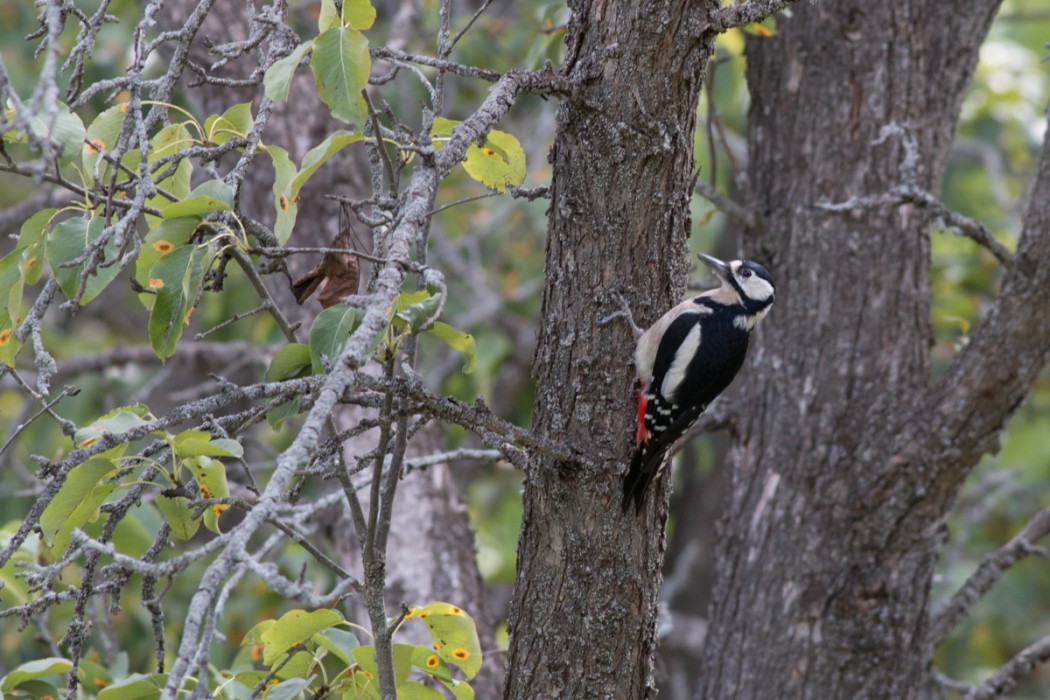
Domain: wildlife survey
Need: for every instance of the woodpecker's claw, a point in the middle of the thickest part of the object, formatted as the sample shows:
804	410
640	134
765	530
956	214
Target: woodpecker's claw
624	312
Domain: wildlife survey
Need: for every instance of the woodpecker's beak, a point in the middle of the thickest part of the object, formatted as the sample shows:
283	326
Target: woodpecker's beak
721	269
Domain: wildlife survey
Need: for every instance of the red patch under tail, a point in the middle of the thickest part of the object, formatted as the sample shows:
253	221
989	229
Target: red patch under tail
642	435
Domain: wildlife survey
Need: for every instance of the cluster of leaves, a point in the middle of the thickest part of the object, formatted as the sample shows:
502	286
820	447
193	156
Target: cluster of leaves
301	652
175	244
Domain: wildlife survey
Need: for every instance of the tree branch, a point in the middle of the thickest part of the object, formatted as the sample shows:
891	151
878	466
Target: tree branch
1007	675
987	574
950	220
961	418
747	12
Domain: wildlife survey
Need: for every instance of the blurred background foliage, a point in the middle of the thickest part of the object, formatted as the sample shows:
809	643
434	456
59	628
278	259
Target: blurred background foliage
491	251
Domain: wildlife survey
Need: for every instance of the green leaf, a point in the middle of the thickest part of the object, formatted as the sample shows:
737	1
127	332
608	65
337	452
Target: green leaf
286	690
169	141
278	78
429	662
285	202
329	333
295	627
417	308
9	344
137	686
66	132
359	14
338	642
454	635
83	487
31	670
176	277
179	515
286	410
365	657
499	162
341	64
38	690
412	690
254	635
459	341
11	284
199	443
67	242
32	240
169	235
249	679
287	362
214	195
317	155
328	17
34	229
102	135
15	590
236	121
211	479
299	666
119	420
130	537
365	686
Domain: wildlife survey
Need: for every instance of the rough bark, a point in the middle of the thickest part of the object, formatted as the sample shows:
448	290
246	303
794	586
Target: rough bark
583	616
849	458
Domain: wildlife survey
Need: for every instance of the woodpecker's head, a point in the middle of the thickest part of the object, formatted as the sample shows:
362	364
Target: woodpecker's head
746	283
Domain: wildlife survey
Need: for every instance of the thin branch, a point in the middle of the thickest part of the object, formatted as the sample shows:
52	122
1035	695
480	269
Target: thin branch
66	391
494	431
987	574
950	220
264	293
726	205
459	35
747	12
1007	675
382	52
285	252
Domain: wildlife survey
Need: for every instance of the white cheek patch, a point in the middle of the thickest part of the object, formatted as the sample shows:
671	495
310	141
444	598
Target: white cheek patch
676	372
757	288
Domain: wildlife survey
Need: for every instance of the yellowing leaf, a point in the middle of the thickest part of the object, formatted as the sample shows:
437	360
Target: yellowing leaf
293	628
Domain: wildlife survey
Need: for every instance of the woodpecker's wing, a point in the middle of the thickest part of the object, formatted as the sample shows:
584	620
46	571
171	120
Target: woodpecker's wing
665	415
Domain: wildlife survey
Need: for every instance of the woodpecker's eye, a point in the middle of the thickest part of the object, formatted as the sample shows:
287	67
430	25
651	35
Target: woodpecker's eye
745	272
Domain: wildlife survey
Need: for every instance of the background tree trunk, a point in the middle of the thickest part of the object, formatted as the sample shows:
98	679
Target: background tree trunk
582	621
839	486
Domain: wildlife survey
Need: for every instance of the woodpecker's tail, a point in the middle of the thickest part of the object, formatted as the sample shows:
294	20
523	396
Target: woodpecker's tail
645	467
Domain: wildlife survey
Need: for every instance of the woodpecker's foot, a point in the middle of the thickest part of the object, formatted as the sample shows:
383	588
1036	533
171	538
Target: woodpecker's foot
614	295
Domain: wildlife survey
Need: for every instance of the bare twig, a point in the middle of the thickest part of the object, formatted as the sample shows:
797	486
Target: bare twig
726	205
1007	675
987	574
950	220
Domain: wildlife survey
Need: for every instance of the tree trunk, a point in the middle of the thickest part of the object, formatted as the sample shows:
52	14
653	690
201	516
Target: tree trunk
835	516
582	621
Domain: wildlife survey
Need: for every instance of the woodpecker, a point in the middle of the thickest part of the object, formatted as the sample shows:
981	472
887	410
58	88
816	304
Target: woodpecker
687	358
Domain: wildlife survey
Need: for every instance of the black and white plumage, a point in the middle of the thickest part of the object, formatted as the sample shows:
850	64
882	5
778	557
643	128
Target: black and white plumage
689	357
